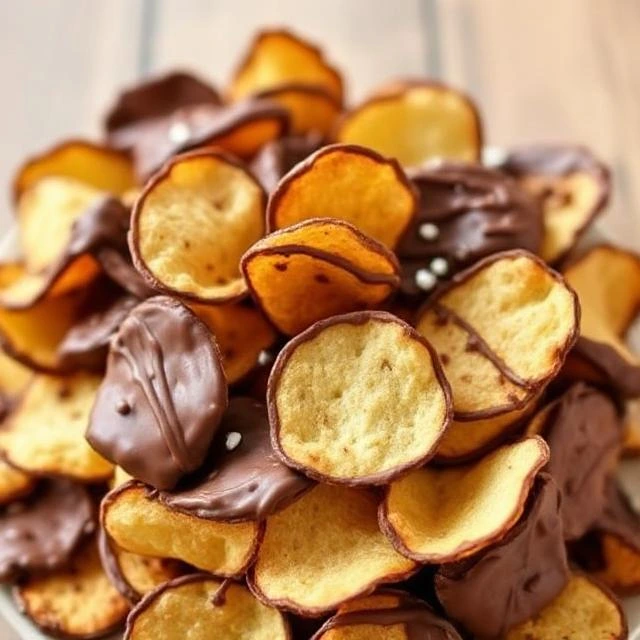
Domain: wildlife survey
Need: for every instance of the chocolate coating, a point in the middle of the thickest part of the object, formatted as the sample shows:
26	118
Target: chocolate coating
584	434
242	482
509	583
472	212
41	532
111	567
163	395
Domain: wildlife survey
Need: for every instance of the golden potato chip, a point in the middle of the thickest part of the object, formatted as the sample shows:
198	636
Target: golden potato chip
14	484
502	329
278	57
132	575
74	602
349	183
357	399
192	224
631	442
44	435
444	515
572	185
198	607
139	524
316	269
311	108
14	377
324	549
241	332
96	166
584	610
415	122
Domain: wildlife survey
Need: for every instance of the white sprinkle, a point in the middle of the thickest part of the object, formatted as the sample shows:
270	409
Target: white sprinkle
232	440
425	279
439	266
179	132
264	357
428	231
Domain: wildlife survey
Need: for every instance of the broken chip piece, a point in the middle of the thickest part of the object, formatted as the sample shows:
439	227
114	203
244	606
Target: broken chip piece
316	269
138	523
200	607
324	549
415	122
192	224
76	601
443	515
357	399
572	186
349	183
142	419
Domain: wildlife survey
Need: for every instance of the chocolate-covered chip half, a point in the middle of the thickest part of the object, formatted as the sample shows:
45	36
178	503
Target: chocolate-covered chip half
163	395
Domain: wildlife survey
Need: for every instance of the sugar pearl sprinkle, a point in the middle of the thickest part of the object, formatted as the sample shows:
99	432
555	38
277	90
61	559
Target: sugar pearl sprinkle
425	279
179	132
439	267
428	231
232	440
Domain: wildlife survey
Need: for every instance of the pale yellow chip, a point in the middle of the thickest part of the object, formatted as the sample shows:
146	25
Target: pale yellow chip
349	183
192	224
44	435
358	399
583	611
139	524
324	549
74	602
14	377
415	122
184	609
437	515
14	484
316	269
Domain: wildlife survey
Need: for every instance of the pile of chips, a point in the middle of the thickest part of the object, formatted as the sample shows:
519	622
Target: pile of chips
275	368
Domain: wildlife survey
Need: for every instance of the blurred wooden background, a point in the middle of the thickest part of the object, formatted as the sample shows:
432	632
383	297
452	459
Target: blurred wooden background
540	69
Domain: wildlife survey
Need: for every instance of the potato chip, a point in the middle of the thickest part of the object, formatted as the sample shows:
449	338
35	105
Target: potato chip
349	183
120	476
572	185
74	602
14	484
415	122
324	549
242	333
192	224
316	269
357	399
14	377
278	57
631	442
44	435
502	329
583	611
443	515
139	524
94	165
193	607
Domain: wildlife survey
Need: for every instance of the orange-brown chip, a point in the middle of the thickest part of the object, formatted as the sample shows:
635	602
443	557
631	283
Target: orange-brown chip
192	224
96	166
415	122
357	399
631	442
349	183
14	484
324	549
502	329
316	269
279	57
198	607
444	515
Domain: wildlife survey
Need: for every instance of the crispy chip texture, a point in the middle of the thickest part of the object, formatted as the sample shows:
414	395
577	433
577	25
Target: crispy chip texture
349	183
14	484
583	611
45	433
415	122
324	549
316	269
97	166
444	515
357	399
75	602
192	224
183	609
503	329
138	524
279	57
